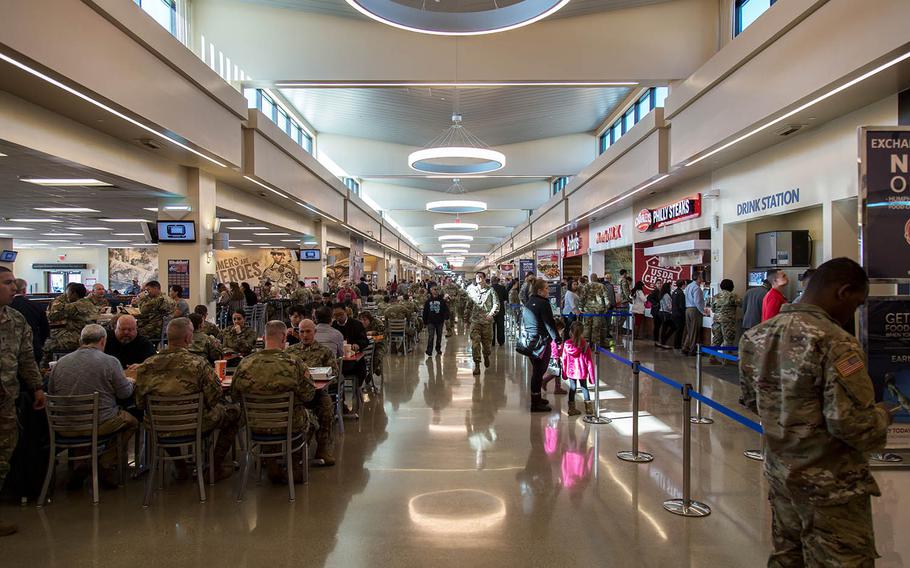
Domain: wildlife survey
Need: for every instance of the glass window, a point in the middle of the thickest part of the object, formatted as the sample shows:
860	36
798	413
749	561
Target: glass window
307	143
282	121
628	121
660	95
251	95
604	141
267	106
644	105
616	130
747	11
162	11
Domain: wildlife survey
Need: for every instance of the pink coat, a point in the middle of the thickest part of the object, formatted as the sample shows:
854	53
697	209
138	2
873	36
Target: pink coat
577	361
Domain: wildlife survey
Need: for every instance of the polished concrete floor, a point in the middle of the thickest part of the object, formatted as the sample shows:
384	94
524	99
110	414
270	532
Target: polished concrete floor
449	470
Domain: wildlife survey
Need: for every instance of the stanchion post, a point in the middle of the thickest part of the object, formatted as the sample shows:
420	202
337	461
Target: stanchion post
596	418
634	455
686	507
698	418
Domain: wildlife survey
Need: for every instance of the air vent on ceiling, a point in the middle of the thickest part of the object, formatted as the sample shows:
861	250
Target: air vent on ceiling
789	129
149	143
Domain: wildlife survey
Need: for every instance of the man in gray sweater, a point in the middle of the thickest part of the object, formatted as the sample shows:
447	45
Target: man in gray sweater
88	370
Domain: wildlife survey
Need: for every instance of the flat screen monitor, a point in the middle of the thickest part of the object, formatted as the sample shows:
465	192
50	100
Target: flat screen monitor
307	255
8	256
756	278
176	231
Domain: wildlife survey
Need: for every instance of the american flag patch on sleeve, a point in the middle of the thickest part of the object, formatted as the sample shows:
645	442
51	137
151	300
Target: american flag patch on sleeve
849	364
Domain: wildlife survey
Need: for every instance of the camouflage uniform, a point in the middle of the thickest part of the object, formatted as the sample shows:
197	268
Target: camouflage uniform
486	303
723	328
594	301
206	347
316	355
451	290
806	378
301	296
209	328
467	306
99	302
17	362
242	342
152	313
625	292
177	372
74	316
399	311
379	347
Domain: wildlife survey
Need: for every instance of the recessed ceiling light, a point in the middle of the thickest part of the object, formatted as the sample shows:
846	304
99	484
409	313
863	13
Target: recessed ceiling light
127	234
34	220
67	209
113	240
124	220
70	247
53	240
271	234
240	240
63	182
152	209
60	235
16	229
249	228
291	241
231	221
145	244
311	243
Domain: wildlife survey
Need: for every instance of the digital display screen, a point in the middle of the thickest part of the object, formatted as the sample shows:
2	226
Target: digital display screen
309	254
8	256
177	231
757	278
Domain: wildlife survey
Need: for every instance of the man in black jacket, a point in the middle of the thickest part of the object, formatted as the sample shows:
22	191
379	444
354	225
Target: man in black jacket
679	313
435	314
499	321
34	315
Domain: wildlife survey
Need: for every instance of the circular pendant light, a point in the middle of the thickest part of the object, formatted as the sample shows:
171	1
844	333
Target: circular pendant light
458	225
437	19
446	246
456	206
456	251
456	239
456	152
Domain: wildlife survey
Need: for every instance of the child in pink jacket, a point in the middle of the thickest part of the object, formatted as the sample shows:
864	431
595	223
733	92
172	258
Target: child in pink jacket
578	368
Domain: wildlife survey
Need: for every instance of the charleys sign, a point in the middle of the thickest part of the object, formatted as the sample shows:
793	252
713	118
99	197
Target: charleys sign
682	210
773	201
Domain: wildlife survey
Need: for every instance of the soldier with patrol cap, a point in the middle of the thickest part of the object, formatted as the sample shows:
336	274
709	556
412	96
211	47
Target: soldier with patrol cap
806	378
17	364
274	371
177	372
70	312
153	308
486	304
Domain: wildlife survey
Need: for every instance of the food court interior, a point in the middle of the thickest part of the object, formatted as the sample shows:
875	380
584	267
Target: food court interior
209	142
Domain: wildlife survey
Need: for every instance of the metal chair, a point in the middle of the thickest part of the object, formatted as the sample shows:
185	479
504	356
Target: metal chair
76	413
265	413
356	379
397	332
338	395
176	424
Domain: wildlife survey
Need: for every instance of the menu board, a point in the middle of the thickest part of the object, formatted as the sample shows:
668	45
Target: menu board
178	272
548	264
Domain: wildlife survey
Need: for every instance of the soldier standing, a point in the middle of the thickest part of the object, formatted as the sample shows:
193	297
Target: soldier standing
177	372
153	309
806	378
17	361
486	305
596	303
625	290
301	295
723	326
70	312
453	296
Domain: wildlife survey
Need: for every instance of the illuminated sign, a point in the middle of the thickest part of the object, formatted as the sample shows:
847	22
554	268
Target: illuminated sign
682	210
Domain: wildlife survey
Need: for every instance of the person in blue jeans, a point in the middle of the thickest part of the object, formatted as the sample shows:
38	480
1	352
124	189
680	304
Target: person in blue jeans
435	314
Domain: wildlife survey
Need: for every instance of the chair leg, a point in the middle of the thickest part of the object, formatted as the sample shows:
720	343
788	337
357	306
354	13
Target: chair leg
213	442
244	472
198	455
306	463
95	496
290	462
51	466
150	480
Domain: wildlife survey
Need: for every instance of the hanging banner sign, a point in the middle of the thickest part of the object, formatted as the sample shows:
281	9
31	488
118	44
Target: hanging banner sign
256	265
525	267
506	271
178	272
885	186
682	210
548	264
887	337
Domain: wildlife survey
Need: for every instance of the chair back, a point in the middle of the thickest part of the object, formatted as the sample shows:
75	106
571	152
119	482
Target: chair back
368	358
266	412
176	414
73	413
397	326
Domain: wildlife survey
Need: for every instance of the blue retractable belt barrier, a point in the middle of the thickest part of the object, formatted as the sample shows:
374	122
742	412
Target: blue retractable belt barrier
514	305
719	355
725	348
751	424
661	378
622	360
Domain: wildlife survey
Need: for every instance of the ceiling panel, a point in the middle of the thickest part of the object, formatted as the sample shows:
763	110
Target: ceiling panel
415	116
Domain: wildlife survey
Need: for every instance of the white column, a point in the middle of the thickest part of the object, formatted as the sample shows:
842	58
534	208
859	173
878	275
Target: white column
596	264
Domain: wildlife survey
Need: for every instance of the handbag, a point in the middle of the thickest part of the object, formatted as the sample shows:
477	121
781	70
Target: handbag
530	348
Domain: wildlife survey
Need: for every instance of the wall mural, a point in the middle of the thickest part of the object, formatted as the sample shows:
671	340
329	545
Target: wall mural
254	266
125	264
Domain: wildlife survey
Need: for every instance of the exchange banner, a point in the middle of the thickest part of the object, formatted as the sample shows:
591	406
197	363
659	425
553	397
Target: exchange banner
885	180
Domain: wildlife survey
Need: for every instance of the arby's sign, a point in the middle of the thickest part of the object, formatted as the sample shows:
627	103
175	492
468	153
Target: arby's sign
676	212
574	243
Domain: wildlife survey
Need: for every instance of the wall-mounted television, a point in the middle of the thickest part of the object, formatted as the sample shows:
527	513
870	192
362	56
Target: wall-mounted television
756	278
308	255
8	256
176	231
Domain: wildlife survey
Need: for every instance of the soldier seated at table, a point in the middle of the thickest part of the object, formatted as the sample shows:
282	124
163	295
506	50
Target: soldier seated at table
68	314
208	327
203	344
274	371
177	372
239	338
154	307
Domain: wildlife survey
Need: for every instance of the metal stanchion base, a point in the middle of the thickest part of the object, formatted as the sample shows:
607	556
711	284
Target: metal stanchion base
754	455
702	420
687	508
630	456
591	419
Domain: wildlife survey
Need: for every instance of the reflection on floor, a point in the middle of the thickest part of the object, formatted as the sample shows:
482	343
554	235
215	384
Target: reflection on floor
452	470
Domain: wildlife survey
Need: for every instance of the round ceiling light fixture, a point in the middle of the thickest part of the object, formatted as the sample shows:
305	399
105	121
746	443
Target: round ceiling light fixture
445	18
446	246
456	206
456	238
458	225
456	152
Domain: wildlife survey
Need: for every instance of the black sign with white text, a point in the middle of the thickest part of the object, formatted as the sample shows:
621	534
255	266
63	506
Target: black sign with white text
886	233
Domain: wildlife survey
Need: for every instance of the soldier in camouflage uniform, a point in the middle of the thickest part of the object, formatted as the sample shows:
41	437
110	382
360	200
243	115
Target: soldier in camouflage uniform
239	338
451	291
396	310
375	327
17	366
414	313
73	311
313	354
806	378
723	306
467	306
274	371
203	344
154	307
486	305
301	295
625	290
595	301
97	297
177	372
208	327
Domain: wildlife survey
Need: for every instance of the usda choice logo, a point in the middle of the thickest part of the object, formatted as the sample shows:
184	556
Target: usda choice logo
767	202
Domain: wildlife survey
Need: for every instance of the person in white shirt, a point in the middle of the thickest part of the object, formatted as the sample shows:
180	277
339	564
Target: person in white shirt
570	306
638	300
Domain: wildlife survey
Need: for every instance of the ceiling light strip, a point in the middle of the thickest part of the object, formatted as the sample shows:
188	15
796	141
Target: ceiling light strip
447	84
262	185
803	107
103	106
623	197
